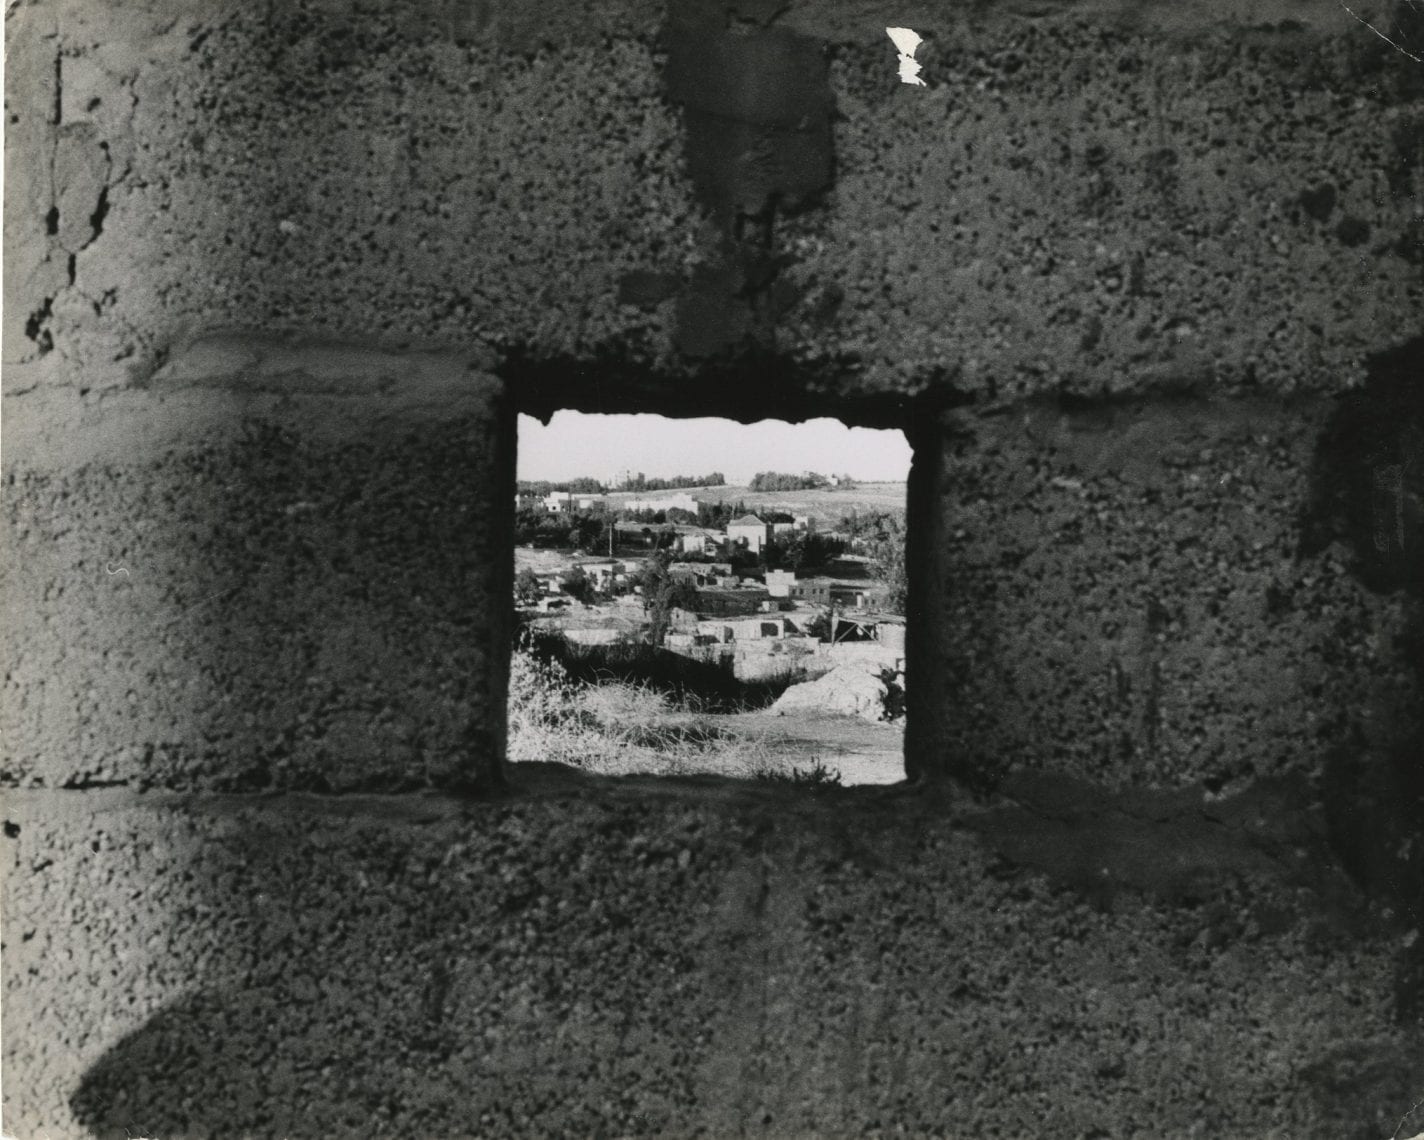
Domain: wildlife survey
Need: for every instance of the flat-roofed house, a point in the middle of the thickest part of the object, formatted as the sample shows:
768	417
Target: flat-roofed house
698	540
816	591
679	502
779	583
603	572
566	502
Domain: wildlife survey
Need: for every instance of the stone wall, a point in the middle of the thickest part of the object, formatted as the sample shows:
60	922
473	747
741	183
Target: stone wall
1140	280
1100	197
273	566
1128	599
663	962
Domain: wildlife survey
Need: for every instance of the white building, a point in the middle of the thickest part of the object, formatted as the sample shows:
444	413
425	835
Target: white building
565	502
603	573
681	502
749	531
779	583
697	540
744	629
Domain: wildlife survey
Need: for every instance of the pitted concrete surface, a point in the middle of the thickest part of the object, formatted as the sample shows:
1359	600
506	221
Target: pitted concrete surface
1129	582
1164	264
656	959
273	567
1093	197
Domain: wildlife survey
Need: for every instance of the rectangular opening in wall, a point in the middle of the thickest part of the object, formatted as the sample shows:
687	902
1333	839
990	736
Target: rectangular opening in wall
701	596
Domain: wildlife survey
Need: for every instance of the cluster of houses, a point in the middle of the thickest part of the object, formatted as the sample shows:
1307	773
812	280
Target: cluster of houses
847	584
750	532
747	614
610	575
756	621
568	502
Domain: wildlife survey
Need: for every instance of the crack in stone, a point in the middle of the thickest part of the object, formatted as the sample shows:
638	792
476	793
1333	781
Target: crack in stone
1402	51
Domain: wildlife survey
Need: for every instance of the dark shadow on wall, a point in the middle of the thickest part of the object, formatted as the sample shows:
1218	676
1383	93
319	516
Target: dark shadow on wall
261	591
1367	494
348	587
756	105
1368	480
608	963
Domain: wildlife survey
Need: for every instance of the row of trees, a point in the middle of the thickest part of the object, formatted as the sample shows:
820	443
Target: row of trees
781	481
533	520
716	516
534	526
587	485
801	551
580	486
640	482
674	515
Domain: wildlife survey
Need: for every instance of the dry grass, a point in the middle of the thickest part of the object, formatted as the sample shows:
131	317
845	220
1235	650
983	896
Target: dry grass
828	505
619	728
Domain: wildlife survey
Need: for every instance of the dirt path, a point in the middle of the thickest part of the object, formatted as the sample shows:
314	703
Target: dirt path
861	751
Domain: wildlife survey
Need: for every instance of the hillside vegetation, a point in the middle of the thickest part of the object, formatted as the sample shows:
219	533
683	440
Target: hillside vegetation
826	505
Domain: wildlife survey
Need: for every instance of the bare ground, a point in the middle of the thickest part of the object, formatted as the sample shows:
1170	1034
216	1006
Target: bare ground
861	751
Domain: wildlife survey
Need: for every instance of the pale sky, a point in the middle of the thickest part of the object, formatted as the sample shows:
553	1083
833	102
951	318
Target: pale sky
577	444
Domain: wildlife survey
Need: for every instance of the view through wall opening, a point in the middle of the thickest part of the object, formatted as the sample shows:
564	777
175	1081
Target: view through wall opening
705	596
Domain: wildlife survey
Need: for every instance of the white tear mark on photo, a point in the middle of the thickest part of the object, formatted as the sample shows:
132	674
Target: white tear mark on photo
906	41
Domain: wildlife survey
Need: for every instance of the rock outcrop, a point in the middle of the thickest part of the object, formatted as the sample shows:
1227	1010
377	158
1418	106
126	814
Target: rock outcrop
844	691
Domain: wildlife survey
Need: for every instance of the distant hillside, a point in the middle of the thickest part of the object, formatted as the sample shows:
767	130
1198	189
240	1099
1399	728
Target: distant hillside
826	505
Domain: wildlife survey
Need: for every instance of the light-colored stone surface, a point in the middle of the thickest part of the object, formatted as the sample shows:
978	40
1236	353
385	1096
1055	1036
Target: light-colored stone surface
847	690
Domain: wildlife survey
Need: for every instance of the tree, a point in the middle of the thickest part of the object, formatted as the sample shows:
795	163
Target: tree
780	481
585	531
578	585
677	482
776	554
715	516
583	485
807	550
740	558
662	593
527	587
887	548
